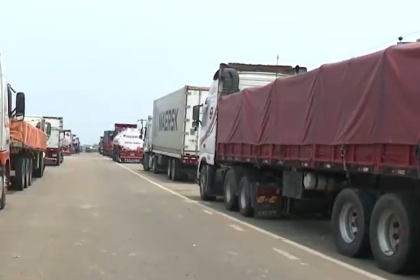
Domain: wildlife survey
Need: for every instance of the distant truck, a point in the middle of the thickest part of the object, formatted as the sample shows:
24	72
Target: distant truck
127	143
54	153
101	145
171	144
75	144
67	142
107	143
22	145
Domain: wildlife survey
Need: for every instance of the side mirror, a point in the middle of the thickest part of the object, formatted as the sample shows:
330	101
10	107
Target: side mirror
20	106
196	113
48	128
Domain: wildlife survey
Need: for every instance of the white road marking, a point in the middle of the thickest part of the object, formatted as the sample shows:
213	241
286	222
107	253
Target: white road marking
208	212
237	227
286	254
263	231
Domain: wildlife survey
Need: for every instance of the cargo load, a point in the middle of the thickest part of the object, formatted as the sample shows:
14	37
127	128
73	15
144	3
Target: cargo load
128	145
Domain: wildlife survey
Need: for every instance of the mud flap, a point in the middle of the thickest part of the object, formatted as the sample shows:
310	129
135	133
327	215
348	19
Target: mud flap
266	206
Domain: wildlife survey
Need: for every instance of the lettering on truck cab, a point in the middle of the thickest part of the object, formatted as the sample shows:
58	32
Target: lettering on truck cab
168	120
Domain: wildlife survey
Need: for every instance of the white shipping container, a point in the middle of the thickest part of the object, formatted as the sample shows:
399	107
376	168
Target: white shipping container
172	132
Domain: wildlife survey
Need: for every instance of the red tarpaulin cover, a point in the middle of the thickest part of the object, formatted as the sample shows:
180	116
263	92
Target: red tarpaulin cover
373	99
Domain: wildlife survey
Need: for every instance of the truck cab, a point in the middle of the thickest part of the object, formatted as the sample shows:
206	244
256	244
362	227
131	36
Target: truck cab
228	79
54	155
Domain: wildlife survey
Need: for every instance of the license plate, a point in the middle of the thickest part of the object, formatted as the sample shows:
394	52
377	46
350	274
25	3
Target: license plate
132	154
54	155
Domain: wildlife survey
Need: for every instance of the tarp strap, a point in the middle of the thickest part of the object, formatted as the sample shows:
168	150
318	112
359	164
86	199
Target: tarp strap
343	156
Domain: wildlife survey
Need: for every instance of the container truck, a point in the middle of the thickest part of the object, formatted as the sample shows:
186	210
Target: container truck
107	143
54	152
22	145
341	140
67	142
173	142
118	151
128	145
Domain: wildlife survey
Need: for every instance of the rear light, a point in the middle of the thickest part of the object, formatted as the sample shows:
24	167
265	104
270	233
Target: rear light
189	159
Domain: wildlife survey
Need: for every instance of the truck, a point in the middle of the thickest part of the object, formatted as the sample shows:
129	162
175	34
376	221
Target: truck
75	144
101	145
341	140
172	142
107	143
117	150
67	142
128	145
22	145
54	152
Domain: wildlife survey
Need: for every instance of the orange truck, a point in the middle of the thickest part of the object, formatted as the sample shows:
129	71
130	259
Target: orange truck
22	145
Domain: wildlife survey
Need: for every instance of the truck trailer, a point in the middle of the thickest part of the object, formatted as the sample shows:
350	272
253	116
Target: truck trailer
122	149
172	144
101	145
54	152
341	140
67	142
107	143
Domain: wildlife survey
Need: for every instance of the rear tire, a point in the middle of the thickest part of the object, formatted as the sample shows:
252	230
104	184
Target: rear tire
350	222
175	170
39	172
30	170
169	169
230	186
19	180
154	166
394	233
244	199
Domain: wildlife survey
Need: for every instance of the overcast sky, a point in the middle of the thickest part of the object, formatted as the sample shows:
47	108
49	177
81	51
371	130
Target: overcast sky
99	62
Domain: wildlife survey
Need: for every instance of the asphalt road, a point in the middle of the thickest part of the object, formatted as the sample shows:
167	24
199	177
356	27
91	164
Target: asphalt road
95	219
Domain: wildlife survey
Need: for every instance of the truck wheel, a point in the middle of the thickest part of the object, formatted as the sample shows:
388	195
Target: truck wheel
394	233
20	174
350	222
154	166
175	170
146	166
3	188
230	186
30	170
58	161
206	180
39	172
169	169
245	205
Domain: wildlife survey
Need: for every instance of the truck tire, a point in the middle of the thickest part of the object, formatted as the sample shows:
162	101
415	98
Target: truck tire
146	166
230	186
175	170
350	222
244	199
3	188
39	172
205	181
30	166
58	162
394	233
154	166
169	169
20	174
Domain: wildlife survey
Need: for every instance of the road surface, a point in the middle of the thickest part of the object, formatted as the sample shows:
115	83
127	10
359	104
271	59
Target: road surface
94	219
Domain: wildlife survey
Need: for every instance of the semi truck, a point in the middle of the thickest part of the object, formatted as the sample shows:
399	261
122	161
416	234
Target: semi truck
54	152
22	145
118	151
128	145
67	142
107	143
75	144
172	144
341	140
101	145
